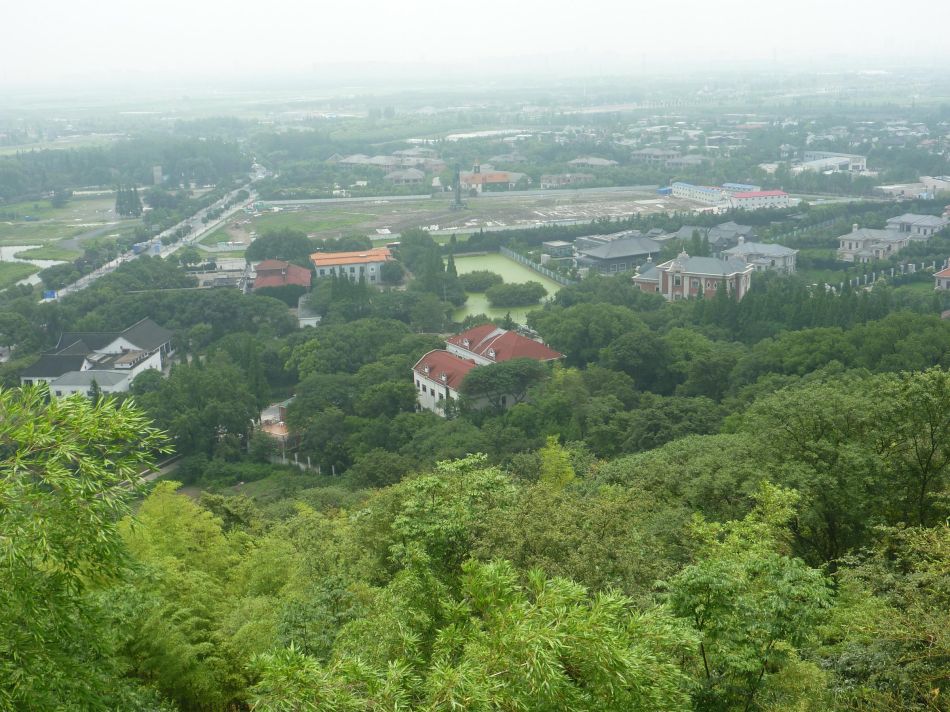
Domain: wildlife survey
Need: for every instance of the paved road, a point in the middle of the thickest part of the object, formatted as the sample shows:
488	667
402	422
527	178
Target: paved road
197	231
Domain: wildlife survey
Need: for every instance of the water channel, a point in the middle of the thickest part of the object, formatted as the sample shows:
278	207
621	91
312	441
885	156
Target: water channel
8	254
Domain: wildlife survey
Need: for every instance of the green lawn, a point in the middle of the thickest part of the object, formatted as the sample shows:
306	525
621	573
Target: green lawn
922	287
48	252
311	220
13	272
213	238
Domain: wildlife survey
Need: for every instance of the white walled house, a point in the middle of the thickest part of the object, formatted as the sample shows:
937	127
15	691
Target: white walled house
764	256
438	375
918	227
866	244
82	382
365	264
112	359
438	378
942	278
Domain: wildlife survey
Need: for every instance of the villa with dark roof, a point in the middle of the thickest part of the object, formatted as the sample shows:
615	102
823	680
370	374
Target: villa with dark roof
688	277
618	255
918	227
764	256
111	359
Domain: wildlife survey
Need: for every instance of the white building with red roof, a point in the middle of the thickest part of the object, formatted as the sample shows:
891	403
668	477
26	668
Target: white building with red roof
487	344
942	278
759	199
438	377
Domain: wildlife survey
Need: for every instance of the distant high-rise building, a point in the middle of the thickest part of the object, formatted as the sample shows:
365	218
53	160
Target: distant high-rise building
156	175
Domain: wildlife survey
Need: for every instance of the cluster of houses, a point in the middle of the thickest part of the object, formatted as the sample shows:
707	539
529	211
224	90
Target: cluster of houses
736	252
737	256
81	362
866	244
439	374
406	167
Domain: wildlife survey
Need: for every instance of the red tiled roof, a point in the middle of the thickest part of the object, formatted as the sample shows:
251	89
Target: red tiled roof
943	273
494	177
500	345
267	265
761	194
274	273
441	363
332	259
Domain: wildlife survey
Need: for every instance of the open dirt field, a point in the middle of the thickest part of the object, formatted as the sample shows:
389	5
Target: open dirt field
488	212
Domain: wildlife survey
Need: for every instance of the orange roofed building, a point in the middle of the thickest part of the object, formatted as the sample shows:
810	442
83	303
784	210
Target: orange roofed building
485	177
364	264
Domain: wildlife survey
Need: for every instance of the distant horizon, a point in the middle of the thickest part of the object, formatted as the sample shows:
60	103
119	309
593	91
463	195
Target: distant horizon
57	44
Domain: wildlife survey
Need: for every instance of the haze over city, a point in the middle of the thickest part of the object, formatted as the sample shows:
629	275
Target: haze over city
113	42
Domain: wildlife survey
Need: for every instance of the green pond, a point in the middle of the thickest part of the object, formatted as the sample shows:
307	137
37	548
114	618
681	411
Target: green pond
511	271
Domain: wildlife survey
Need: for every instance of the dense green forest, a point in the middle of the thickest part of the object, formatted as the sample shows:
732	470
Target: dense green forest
31	174
707	505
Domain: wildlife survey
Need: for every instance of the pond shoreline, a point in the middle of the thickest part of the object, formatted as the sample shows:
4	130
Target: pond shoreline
512	272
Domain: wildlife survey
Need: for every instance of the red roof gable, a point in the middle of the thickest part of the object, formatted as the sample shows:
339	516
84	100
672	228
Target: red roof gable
499	345
943	273
275	273
270	265
444	367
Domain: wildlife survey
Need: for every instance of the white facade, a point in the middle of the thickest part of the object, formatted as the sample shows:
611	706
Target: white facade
432	393
369	271
917	227
764	257
81	382
700	193
864	245
834	161
760	200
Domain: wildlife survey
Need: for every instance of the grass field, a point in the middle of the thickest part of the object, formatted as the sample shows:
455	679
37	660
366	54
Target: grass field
47	223
48	252
922	287
13	272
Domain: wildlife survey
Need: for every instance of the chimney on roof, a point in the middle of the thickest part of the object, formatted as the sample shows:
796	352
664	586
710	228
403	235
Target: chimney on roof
854	227
741	240
477	168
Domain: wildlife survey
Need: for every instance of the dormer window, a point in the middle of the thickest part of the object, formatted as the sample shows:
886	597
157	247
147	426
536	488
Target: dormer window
465	343
425	370
444	377
491	353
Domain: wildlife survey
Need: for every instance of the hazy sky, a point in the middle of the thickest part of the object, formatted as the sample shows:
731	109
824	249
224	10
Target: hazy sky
58	40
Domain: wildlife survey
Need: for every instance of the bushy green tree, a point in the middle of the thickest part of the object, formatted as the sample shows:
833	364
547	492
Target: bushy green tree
69	470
